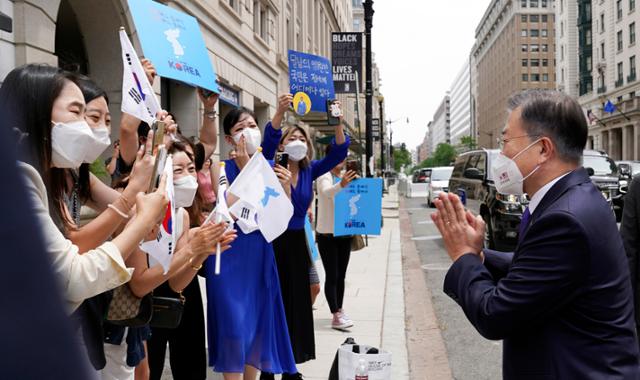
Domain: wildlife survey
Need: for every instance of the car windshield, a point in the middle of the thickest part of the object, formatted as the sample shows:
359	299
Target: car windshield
635	168
441	174
601	165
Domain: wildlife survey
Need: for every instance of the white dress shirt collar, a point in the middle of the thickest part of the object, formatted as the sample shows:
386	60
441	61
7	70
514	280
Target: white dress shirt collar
537	197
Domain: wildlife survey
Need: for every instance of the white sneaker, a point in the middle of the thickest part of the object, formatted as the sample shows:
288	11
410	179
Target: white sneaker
340	323
344	316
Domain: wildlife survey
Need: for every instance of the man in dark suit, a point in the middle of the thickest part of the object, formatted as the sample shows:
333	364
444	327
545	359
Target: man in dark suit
630	231
562	301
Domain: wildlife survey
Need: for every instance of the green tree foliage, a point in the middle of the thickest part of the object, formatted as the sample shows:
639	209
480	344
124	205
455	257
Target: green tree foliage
444	155
467	143
401	156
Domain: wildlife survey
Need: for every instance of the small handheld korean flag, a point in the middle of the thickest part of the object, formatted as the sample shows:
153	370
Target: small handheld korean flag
258	186
138	98
161	248
222	210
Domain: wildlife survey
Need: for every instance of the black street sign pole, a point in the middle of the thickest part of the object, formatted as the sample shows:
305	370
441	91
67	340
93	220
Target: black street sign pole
368	22
382	135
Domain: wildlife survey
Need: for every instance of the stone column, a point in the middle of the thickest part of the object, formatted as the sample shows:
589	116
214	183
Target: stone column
636	136
626	135
35	31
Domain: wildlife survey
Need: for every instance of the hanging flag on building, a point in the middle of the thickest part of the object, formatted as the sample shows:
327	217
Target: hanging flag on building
172	40
138	98
609	107
258	186
161	249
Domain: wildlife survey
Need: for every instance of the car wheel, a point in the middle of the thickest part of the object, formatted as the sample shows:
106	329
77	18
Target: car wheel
488	233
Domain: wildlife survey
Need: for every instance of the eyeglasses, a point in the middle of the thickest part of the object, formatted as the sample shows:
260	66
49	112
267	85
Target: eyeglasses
502	142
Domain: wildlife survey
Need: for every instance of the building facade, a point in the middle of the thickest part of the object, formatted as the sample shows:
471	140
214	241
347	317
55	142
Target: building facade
567	57
514	50
461	105
440	127
247	42
609	74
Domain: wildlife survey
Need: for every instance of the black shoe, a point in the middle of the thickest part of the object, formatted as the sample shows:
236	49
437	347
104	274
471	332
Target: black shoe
267	376
287	376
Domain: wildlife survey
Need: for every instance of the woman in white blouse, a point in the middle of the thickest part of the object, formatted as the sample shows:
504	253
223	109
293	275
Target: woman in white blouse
52	133
334	251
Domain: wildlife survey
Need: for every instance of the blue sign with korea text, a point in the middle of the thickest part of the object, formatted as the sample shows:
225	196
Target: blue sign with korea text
173	42
358	208
312	75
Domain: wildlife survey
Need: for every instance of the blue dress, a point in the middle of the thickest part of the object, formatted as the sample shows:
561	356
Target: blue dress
246	318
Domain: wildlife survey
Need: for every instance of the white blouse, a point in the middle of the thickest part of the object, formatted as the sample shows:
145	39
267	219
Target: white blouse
327	191
81	276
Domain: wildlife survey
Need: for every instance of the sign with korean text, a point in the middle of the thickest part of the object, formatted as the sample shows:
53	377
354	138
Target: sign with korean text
346	58
358	208
311	75
173	42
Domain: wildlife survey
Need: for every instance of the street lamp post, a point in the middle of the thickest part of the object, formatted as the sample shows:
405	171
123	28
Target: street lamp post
368	24
382	134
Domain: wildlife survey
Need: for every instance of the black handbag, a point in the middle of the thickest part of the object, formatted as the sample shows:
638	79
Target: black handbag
167	312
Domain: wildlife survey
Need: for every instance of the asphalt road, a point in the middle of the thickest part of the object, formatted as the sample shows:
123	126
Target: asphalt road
470	355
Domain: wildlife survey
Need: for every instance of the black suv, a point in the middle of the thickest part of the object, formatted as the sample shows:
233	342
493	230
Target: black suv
472	181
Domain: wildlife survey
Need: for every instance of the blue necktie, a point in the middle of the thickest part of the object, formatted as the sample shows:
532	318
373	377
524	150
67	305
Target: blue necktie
524	222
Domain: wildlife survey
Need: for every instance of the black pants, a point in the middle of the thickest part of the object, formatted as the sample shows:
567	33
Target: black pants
335	253
187	352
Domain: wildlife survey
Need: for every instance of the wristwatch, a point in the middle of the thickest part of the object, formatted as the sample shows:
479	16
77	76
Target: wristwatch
211	115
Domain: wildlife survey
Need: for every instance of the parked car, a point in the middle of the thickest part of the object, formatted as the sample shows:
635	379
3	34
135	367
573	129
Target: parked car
438	183
471	179
421	175
604	174
627	170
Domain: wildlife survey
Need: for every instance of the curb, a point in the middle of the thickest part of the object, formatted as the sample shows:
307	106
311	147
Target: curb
427	353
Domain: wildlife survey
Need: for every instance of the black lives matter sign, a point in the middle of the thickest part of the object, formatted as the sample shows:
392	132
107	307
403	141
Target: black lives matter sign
346	51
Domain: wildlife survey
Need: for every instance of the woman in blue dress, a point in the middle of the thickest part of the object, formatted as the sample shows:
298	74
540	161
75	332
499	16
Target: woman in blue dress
290	248
247	329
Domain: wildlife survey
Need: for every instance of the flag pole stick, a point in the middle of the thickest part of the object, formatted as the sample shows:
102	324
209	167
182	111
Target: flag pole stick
218	253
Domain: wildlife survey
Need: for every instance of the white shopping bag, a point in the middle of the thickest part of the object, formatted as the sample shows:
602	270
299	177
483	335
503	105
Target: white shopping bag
379	364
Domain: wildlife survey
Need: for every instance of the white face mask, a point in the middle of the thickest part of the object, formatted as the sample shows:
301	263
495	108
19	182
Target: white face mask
252	138
74	143
506	174
297	150
101	140
184	190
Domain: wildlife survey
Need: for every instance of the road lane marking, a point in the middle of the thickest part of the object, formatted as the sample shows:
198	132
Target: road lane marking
422	238
437	267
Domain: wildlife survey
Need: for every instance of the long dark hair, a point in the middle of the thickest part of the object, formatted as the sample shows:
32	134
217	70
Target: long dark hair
233	117
30	91
196	208
90	91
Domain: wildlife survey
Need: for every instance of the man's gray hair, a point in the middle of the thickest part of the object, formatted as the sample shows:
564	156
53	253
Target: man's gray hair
555	115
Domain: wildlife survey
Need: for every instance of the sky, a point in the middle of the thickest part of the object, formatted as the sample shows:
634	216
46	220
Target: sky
420	46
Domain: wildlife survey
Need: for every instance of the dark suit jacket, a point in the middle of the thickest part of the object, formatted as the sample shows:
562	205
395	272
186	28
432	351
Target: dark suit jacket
562	301
630	231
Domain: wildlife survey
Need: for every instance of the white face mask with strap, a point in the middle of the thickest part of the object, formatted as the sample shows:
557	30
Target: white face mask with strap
252	138
75	142
297	150
506	174
185	189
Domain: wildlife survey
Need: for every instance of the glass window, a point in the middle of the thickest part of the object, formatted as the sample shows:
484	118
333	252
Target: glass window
619	8
620	70
619	40
545	77
534	33
544	18
535	48
589	63
523	33
632	66
524	48
523	3
525	77
534	18
544	33
632	5
587	37
601	22
545	47
602	50
545	62
524	62
632	33
535	77
523	18
535	62
543	3
601	165
533	3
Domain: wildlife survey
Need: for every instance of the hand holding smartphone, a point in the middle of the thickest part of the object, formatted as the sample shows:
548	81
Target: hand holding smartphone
333	112
282	159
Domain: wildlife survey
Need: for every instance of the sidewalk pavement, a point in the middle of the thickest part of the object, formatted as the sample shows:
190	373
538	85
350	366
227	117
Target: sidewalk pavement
374	300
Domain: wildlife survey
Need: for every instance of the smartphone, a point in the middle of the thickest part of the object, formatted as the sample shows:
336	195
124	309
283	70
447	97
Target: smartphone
333	112
158	168
158	135
282	159
352	165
